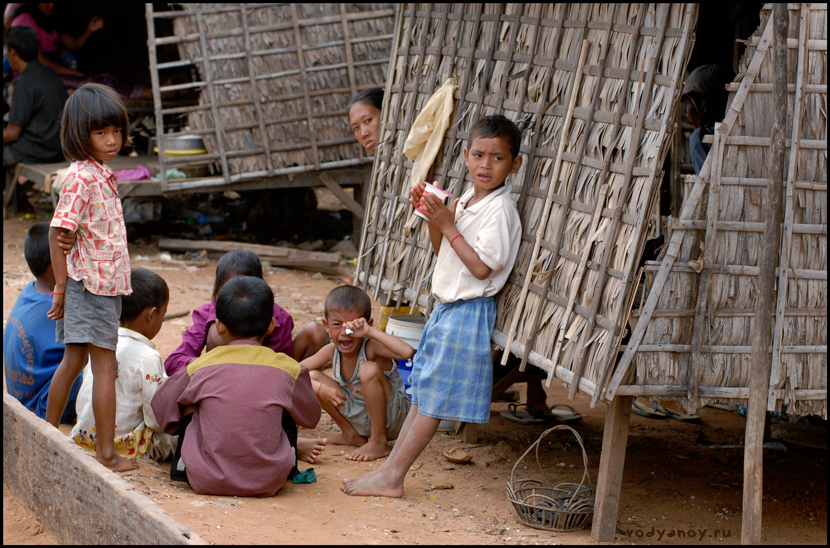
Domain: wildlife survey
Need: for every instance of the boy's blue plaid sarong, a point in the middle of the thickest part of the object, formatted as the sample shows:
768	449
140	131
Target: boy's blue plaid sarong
452	374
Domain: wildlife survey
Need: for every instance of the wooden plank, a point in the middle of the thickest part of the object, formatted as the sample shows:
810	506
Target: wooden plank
278	256
759	373
347	200
789	207
611	462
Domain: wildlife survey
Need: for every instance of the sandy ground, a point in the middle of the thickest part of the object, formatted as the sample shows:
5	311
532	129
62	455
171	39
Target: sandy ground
679	486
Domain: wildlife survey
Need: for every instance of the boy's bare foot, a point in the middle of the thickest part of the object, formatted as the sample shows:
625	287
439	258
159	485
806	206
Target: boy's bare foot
343	439
117	463
309	449
371	450
373	485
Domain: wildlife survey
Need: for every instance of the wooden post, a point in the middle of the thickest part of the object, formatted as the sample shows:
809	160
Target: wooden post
765	301
611	462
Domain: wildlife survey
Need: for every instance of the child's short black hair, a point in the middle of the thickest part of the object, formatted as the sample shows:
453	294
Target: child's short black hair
92	107
498	126
149	289
371	96
239	262
36	247
23	40
348	298
246	306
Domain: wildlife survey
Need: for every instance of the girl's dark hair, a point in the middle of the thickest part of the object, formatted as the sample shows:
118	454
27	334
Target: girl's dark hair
498	126
348	298
239	262
90	108
371	96
36	249
149	289
246	306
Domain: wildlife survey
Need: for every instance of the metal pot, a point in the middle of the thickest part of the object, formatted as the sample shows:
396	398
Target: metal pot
181	145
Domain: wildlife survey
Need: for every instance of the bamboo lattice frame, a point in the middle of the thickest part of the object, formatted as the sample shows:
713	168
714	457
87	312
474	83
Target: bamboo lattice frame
597	85
692	340
274	80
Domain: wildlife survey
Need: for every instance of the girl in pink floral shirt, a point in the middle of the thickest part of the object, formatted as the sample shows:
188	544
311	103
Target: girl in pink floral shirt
89	282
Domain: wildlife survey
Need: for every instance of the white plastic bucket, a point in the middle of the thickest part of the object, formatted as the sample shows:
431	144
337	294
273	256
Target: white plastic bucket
409	329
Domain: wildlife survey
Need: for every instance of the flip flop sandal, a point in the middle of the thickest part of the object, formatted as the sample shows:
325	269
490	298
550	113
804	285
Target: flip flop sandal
520	416
647	411
563	416
672	414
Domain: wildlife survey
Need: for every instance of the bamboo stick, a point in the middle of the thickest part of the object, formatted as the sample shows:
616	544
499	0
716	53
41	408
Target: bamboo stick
789	206
304	79
260	117
540	232
759	375
603	57
208	76
154	82
611	238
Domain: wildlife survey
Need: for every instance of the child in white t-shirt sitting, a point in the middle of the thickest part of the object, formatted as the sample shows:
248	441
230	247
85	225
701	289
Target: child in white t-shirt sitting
140	374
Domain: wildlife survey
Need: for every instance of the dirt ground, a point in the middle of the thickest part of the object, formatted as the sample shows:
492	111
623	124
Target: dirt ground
682	482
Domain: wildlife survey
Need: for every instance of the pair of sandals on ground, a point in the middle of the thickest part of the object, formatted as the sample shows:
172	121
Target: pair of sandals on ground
561	413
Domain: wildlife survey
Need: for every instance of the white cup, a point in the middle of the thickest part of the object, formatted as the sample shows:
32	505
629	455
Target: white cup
430	189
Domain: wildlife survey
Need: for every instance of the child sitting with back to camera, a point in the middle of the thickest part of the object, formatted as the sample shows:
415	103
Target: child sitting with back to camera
89	282
366	397
236	409
140	374
202	335
477	241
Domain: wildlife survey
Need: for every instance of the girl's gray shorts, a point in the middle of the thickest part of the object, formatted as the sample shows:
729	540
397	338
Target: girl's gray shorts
88	318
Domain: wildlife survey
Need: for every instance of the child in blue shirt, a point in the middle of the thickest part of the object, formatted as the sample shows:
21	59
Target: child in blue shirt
30	353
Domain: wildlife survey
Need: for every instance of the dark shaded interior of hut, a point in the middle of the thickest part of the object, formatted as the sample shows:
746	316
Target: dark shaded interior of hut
721	29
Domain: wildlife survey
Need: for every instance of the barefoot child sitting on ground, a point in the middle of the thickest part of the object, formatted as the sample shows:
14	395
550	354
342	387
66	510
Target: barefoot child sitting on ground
202	334
140	374
477	242
366	396
236	409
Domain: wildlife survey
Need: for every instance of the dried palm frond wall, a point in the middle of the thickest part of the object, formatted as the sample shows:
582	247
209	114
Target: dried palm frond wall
698	321
275	80
597	85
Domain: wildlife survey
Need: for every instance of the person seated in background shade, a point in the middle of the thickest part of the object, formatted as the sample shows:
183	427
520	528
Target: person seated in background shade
704	100
30	353
33	131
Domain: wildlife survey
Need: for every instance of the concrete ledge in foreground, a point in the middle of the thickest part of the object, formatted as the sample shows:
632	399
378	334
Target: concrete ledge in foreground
78	500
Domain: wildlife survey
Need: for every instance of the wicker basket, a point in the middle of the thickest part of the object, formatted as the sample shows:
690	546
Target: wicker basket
562	507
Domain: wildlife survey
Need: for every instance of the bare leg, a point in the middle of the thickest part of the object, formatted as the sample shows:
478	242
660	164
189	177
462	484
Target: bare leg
348	435
309	340
390	482
104	371
73	362
376	392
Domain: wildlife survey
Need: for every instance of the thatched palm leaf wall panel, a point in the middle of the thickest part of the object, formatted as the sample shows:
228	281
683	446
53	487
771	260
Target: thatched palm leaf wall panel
719	371
596	85
282	77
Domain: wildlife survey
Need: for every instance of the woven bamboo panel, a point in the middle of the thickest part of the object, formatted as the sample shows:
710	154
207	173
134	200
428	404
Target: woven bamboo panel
596	86
277	79
708	358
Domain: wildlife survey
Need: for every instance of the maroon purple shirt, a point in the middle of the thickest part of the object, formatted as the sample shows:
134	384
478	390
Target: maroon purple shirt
235	444
193	340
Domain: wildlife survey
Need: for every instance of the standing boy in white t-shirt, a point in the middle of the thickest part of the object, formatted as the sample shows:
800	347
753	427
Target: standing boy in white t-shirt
476	242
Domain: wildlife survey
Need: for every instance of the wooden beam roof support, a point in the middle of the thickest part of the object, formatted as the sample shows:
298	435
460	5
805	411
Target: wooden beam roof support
765	299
